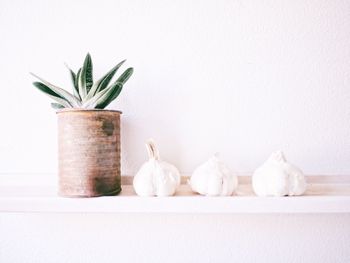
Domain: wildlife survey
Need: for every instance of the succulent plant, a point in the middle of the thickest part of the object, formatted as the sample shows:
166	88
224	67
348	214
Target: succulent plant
87	94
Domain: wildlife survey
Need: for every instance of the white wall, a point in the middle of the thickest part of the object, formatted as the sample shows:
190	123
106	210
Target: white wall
242	78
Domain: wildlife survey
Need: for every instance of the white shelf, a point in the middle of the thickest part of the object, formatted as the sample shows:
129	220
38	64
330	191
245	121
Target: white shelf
325	194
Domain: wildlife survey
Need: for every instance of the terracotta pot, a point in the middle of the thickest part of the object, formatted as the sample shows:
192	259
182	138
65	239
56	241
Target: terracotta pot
88	152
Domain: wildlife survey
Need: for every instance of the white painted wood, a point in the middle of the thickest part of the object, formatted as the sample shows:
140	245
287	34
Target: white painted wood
322	196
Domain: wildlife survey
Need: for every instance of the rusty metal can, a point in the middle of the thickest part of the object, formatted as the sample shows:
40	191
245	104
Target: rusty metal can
88	152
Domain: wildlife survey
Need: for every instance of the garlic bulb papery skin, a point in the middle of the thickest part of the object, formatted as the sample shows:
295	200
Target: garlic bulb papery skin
277	177
213	178
156	177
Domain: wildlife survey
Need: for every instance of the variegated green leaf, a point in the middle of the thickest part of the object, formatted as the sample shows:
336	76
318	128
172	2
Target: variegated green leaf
121	80
88	74
125	76
73	101
57	106
89	104
72	76
103	82
74	82
85	78
109	96
52	94
86	94
82	86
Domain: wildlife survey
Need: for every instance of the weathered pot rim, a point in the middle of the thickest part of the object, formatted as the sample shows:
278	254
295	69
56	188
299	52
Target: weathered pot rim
85	110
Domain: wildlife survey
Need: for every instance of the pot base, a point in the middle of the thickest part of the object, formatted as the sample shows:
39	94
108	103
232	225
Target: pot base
113	193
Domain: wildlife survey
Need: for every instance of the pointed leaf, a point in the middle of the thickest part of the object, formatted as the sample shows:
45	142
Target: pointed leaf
75	83
125	76
81	86
52	94
88	73
73	101
103	82
122	80
73	76
85	78
109	96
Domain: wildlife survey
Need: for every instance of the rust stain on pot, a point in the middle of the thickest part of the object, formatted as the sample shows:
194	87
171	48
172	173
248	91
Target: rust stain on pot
89	152
108	127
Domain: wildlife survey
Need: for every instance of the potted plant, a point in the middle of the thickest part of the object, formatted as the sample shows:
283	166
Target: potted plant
88	135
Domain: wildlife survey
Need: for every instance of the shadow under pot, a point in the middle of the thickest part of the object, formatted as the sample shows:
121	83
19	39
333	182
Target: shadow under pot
88	152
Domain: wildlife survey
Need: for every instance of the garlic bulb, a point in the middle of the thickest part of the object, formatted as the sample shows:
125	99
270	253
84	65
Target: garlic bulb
156	177
213	178
277	177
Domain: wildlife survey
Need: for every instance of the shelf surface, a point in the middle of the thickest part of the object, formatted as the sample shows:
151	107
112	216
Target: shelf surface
325	194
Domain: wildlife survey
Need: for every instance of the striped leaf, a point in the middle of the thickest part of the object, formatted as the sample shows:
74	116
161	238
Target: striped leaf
86	94
74	82
122	80
125	76
108	97
57	106
73	101
103	82
52	94
85	77
91	102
